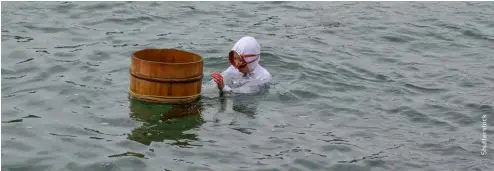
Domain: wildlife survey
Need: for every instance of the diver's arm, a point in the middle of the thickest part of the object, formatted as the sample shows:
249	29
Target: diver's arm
226	87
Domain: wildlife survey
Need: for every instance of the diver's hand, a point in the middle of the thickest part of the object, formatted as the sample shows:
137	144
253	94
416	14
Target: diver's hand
218	79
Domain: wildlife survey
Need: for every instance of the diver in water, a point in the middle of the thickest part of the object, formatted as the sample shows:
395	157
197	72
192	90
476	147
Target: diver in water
245	74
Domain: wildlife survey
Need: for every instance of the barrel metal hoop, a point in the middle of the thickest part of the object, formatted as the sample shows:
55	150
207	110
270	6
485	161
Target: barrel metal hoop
176	80
164	99
161	97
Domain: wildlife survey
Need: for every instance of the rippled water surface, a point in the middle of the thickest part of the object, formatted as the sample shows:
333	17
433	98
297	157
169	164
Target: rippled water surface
357	86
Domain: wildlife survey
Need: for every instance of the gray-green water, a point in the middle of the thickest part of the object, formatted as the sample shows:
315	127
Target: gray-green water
357	86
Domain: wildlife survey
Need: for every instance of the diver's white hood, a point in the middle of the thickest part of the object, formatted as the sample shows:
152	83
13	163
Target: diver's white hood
249	45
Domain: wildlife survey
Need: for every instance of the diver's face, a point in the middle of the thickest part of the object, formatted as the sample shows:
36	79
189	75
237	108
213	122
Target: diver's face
237	61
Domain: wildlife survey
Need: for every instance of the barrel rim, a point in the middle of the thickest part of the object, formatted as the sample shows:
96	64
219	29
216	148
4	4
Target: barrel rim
148	61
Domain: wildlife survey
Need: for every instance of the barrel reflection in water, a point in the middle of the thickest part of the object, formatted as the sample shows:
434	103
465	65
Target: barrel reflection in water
165	122
246	104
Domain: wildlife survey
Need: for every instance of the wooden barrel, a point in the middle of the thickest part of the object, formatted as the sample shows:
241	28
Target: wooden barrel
168	76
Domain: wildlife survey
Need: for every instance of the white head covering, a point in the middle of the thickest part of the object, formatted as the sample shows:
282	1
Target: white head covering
249	45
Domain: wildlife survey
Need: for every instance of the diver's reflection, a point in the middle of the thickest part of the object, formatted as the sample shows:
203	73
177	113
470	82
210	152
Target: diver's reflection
247	104
165	122
238	110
